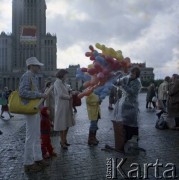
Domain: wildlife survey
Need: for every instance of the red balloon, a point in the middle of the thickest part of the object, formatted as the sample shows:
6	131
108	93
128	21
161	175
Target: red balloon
86	84
109	59
81	95
124	64
95	86
91	48
88	54
102	82
127	59
88	91
94	80
92	58
116	65
106	71
100	75
98	67
91	71
84	69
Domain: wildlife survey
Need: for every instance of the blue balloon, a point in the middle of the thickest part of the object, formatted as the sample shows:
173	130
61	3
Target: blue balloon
106	90
78	71
98	90
95	53
87	77
102	96
101	61
80	76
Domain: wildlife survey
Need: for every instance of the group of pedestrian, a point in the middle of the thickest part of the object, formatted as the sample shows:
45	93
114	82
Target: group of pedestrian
57	110
165	99
151	97
55	113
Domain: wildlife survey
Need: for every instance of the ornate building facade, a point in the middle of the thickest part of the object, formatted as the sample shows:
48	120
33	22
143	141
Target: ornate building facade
28	38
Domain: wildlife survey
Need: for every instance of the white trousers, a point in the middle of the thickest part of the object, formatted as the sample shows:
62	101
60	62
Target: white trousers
32	143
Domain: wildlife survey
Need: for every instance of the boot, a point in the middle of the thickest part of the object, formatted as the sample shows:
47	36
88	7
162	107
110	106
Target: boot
91	139
95	137
159	114
32	168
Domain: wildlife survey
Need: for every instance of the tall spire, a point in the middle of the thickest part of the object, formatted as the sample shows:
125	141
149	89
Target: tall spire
29	13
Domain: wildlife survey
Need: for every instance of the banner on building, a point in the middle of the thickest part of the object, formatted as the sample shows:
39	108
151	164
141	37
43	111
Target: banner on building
28	34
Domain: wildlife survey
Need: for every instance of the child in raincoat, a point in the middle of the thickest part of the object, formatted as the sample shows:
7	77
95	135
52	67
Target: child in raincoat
93	108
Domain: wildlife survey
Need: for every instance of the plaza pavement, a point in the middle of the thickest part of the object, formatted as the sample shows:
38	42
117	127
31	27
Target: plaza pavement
82	162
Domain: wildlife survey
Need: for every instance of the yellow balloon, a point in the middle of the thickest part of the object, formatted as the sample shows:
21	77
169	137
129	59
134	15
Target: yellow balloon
90	65
103	47
119	51
119	57
110	51
98	45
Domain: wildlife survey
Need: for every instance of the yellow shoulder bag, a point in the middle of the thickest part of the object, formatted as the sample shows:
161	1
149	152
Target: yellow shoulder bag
17	106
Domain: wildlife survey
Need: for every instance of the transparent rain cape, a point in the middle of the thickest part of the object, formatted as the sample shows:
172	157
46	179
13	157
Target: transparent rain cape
126	111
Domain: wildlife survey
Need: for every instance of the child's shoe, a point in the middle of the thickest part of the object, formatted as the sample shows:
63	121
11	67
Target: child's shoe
54	154
46	156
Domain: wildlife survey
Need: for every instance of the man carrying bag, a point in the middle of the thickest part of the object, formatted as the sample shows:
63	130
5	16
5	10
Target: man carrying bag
28	89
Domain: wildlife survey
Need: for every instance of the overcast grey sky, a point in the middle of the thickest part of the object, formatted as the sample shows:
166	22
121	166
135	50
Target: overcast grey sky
144	30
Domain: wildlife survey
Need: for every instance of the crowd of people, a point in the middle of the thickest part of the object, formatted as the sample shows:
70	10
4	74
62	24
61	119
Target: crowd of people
165	100
56	112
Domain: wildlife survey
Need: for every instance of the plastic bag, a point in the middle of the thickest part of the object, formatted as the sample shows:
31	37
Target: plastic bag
118	105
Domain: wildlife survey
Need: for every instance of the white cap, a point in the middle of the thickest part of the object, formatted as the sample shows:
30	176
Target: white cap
33	61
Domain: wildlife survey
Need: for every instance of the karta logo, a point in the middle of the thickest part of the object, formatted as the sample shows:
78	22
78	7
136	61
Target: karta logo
115	169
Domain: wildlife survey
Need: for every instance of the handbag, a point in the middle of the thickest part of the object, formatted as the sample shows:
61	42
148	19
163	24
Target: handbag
154	99
76	100
17	106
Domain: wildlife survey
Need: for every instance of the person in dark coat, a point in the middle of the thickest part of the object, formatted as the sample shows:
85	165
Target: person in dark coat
150	94
5	96
173	101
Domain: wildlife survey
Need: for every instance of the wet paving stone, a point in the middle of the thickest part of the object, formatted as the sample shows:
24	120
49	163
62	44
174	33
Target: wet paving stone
82	162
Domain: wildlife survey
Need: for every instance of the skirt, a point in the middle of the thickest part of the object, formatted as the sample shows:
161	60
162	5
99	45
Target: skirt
5	108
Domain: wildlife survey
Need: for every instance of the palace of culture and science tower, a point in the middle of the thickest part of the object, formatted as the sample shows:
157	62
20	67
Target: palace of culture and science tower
28	38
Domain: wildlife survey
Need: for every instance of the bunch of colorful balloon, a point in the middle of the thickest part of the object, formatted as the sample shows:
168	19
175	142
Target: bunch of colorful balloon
101	74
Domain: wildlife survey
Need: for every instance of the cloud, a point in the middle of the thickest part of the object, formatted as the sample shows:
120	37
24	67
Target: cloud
5	16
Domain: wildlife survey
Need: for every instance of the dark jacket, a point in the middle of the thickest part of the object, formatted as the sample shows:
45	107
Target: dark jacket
150	93
173	101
